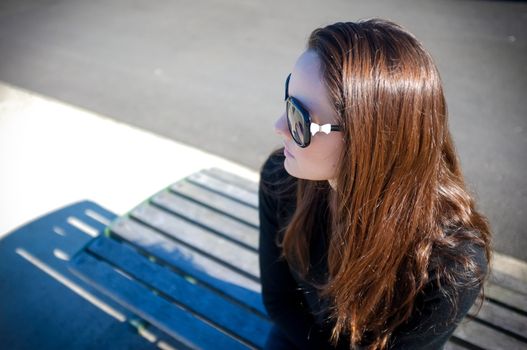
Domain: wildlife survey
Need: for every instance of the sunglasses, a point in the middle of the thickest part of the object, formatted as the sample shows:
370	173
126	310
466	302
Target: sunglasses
299	122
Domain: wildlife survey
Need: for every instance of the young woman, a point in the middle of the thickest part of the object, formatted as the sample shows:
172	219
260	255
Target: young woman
368	235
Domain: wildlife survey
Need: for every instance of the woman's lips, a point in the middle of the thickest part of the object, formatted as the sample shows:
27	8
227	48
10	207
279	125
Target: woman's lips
287	153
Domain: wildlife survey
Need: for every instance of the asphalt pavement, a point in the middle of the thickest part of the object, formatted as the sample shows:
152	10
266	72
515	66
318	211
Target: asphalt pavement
210	74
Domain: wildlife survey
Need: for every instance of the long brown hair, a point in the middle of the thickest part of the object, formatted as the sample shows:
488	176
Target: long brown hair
400	207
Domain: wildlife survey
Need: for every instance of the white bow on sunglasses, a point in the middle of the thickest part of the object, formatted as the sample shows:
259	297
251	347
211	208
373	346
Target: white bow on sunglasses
314	128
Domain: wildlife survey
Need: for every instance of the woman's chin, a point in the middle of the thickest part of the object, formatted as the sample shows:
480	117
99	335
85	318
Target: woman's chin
290	168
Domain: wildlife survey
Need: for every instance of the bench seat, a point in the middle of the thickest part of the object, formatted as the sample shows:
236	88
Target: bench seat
186	263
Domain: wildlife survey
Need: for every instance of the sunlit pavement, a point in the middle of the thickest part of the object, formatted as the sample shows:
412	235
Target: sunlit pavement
210	74
53	154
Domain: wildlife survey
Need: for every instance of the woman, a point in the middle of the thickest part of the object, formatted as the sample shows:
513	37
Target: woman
368	235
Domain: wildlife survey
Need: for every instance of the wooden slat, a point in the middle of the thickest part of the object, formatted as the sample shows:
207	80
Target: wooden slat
512	267
233	178
225	188
199	266
209	218
509	282
506	296
453	346
502	317
232	254
171	319
229	316
155	335
486	337
218	202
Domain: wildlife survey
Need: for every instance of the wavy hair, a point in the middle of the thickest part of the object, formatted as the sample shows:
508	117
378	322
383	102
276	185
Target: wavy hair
400	208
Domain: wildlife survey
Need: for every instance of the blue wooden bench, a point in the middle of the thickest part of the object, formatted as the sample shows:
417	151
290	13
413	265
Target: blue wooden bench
185	262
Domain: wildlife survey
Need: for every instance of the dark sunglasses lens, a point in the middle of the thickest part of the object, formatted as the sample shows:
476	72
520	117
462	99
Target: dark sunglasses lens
296	123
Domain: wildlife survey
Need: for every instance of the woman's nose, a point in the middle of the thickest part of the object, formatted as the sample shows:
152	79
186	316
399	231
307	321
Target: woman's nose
280	126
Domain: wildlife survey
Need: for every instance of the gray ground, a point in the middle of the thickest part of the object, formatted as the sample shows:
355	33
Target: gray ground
211	74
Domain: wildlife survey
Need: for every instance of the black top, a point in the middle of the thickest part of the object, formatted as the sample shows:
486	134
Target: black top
294	306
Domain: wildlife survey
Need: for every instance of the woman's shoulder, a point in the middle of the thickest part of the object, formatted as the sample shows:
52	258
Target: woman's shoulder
461	251
457	270
454	284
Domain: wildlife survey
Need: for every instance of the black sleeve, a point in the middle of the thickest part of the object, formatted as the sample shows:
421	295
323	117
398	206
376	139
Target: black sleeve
281	296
